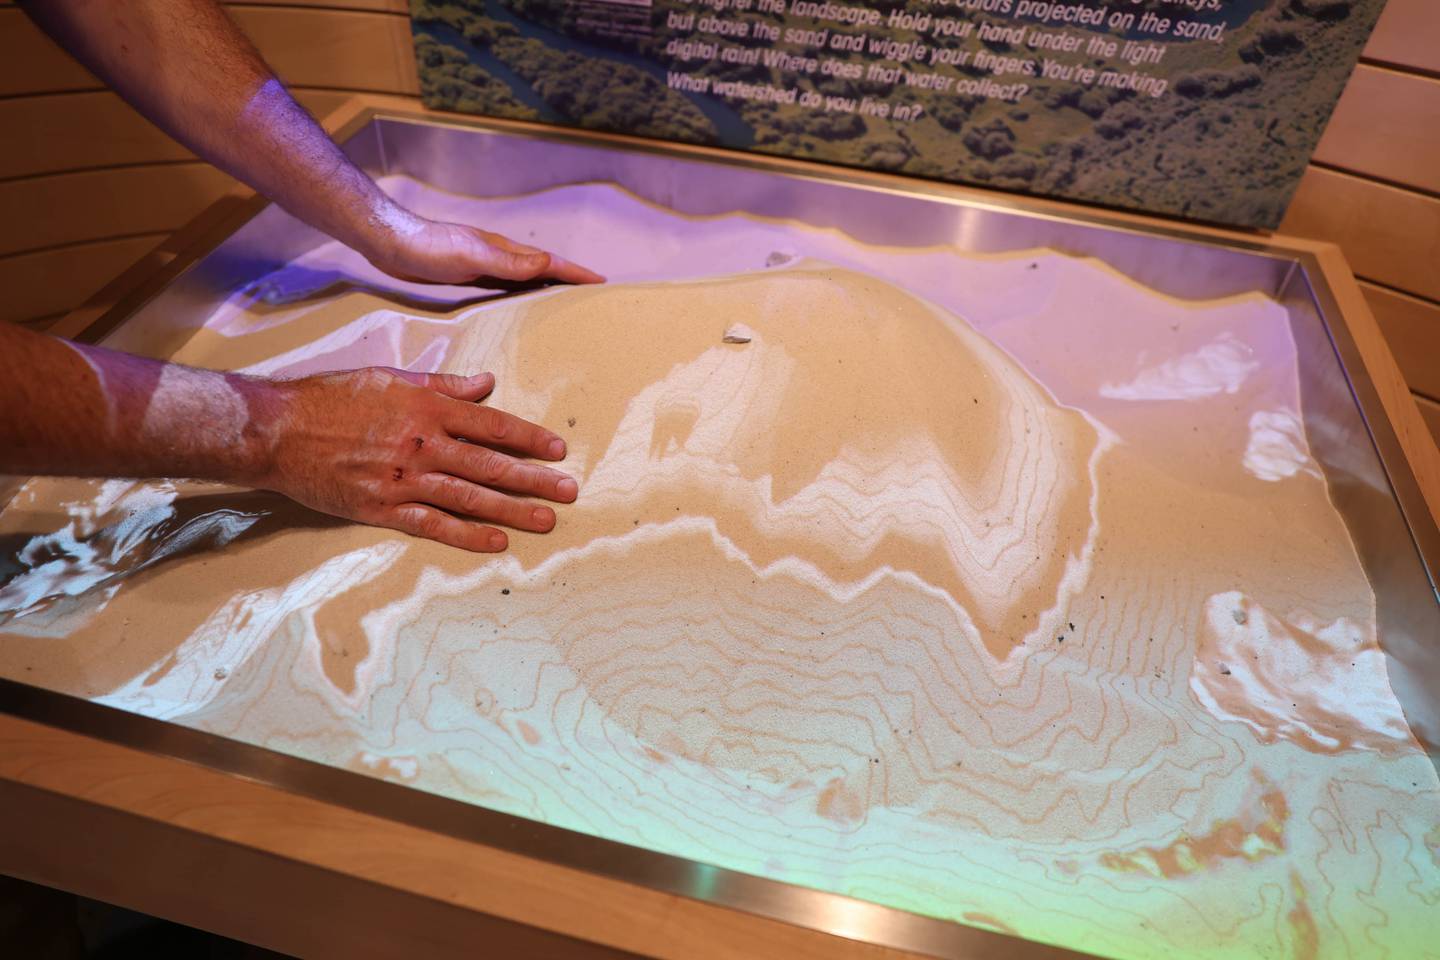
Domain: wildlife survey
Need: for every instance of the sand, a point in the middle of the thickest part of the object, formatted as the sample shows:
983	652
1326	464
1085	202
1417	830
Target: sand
1040	619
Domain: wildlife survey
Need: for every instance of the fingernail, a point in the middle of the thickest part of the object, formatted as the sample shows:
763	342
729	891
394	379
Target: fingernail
556	449
543	517
497	541
567	488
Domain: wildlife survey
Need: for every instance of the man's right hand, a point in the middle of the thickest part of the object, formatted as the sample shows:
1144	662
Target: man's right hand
413	452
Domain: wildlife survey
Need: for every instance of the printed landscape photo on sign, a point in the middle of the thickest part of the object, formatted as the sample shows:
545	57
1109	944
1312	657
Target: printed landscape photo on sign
1206	109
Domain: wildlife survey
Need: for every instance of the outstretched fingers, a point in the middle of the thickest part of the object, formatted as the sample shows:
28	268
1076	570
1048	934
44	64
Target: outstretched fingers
462	497
513	260
492	468
478	471
431	523
496	428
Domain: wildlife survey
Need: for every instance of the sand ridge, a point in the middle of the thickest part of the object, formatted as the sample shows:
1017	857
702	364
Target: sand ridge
782	437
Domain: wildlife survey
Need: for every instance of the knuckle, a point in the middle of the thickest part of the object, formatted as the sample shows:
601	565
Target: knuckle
536	480
529	264
495	423
430	525
494	469
373	378
463	495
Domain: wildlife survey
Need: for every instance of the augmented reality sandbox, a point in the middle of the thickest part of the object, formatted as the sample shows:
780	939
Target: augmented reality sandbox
1000	586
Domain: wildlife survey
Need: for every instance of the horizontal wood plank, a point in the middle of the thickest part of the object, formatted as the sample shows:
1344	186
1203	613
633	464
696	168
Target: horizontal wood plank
42	324
1412	328
1387	125
53	281
1406	35
80	131
1389	235
74	131
343	49
307	46
31	62
70	208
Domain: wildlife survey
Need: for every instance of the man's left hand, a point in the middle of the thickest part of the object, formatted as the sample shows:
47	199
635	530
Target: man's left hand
431	251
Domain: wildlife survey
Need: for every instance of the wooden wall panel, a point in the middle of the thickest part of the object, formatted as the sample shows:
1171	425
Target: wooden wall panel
31	63
68	208
96	129
1387	125
73	131
1407	35
1412	328
53	281
308	46
1389	235
346	49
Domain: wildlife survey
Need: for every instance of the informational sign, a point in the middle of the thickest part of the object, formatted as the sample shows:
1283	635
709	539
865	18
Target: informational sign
1206	109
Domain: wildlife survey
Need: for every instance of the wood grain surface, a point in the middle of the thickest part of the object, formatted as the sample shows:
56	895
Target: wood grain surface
47	282
72	208
350	49
1386	126
1410	325
96	130
1389	235
1405	36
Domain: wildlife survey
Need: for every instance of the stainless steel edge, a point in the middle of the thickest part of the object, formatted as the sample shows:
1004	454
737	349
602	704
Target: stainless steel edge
1419	520
1372	486
415	146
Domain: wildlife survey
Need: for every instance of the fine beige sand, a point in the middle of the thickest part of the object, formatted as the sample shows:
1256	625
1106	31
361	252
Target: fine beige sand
976	619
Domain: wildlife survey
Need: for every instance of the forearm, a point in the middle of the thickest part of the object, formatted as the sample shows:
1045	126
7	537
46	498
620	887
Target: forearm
410	451
73	410
189	69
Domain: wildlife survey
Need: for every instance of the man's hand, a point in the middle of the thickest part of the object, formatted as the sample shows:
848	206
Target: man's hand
187	67
436	252
411	451
416	453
